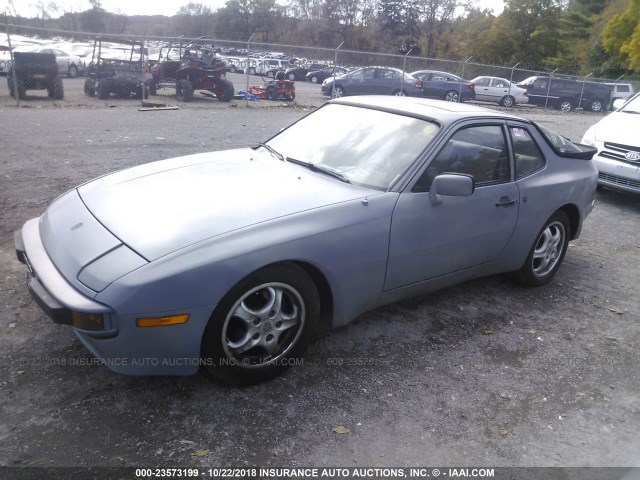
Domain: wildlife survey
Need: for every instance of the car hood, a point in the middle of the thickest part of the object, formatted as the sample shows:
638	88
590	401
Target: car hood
619	127
158	208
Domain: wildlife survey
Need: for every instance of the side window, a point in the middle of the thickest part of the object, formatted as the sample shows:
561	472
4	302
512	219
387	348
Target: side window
477	151
482	82
528	157
540	83
623	88
499	83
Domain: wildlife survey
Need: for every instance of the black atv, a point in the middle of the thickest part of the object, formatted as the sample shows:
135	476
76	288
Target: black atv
191	67
35	71
124	75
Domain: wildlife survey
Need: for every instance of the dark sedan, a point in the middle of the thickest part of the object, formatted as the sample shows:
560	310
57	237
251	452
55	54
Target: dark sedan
319	76
299	72
373	81
445	86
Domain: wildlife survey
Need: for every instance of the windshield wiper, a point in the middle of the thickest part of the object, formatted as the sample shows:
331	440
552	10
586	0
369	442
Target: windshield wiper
278	155
319	168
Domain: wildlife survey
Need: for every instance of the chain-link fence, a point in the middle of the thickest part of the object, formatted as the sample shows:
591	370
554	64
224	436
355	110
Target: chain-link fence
136	66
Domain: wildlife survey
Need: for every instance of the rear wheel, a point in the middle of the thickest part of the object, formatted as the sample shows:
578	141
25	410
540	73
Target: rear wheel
452	96
184	90
262	325
252	71
314	79
547	252
56	89
508	101
400	93
272	93
73	71
292	76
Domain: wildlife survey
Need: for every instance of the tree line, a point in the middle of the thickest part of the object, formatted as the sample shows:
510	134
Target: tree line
601	37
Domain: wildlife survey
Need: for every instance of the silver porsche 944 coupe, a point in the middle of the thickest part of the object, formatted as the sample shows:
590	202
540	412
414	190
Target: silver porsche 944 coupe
235	260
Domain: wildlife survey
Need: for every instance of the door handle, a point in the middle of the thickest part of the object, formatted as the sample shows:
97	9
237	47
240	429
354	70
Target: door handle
505	202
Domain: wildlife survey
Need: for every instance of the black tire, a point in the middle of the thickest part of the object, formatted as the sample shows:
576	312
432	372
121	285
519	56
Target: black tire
12	90
73	71
314	79
252	70
400	93
227	91
272	93
292	77
153	88
292	96
105	87
596	105
565	105
508	101
338	92
90	87
56	90
184	90
284	307
547	252
452	96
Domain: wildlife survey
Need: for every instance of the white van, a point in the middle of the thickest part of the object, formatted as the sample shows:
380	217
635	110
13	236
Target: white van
620	90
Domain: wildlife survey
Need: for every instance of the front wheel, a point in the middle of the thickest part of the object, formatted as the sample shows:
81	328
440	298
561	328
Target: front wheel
565	105
314	79
90	87
226	90
56	89
337	92
596	105
292	77
184	90
72	72
400	93
547	252
507	101
452	96
262	325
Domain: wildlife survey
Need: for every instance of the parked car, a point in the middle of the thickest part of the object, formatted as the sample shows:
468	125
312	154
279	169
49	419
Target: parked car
622	91
397	197
299	72
567	94
499	90
445	86
319	76
269	64
68	64
616	138
373	81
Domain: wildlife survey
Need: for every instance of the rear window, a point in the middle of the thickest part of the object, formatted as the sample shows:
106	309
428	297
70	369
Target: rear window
565	147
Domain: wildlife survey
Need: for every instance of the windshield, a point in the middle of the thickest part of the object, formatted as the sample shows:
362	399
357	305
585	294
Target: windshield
633	106
367	147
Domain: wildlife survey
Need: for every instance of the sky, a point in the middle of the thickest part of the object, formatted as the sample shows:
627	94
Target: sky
149	7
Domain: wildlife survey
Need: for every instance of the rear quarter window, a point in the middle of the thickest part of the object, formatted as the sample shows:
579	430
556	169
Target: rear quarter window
527	155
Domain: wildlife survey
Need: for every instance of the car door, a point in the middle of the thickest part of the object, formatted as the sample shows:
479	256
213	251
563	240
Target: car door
434	235
360	82
498	89
483	89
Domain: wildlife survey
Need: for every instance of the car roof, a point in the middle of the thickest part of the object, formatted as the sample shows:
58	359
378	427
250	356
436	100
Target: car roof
443	112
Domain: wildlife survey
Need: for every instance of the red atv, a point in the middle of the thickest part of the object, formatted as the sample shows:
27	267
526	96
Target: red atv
191	67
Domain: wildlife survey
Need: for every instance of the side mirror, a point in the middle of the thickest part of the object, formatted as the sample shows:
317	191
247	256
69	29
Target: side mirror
451	185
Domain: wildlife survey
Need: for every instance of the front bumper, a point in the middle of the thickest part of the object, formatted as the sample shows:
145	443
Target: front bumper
121	346
616	174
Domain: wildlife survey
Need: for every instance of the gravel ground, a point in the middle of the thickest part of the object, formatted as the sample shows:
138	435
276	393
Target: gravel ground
485	373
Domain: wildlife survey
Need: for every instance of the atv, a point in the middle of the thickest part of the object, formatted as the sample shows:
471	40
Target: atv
118	68
35	71
191	67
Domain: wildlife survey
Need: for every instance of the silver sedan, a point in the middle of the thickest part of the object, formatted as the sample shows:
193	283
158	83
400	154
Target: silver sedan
236	260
